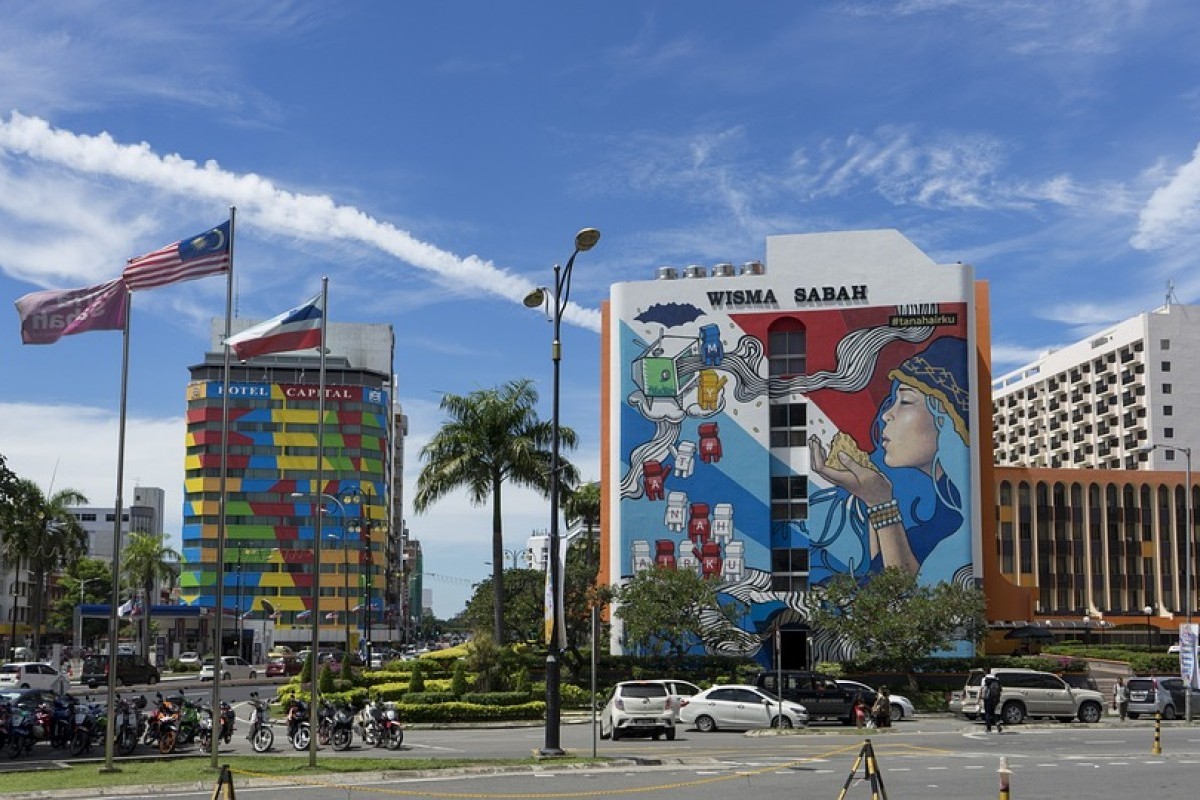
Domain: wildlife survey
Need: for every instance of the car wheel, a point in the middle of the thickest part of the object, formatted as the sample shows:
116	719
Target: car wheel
1133	715
1013	713
151	680
656	735
781	722
225	676
253	674
705	724
603	733
1090	712
616	733
1169	712
671	734
897	712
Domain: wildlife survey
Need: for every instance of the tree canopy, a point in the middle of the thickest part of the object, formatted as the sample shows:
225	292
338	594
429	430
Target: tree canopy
661	609
897	621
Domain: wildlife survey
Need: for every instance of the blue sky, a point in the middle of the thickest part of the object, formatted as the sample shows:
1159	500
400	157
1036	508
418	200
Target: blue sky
436	159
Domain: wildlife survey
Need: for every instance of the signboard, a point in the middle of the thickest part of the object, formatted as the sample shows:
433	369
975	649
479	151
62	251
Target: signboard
1187	654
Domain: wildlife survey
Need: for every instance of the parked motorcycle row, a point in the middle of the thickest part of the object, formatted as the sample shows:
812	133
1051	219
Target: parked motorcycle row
78	725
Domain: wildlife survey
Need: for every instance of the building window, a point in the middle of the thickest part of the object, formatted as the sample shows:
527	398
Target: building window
1166	388
787	348
1166	366
1169	455
789	569
1164	344
1168	433
1168	410
789	425
789	497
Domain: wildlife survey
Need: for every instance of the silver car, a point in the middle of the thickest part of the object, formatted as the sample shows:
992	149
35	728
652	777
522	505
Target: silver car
638	708
1159	695
740	707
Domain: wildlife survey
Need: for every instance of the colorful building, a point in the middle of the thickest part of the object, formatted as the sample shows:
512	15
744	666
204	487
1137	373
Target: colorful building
778	424
272	498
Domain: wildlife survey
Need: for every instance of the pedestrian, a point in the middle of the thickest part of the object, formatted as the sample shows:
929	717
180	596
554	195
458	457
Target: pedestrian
989	693
881	712
860	711
1121	698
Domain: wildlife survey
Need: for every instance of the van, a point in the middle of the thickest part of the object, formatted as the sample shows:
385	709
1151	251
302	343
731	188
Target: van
131	669
1026	693
820	694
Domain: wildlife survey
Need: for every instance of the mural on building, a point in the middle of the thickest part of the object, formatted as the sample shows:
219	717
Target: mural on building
850	455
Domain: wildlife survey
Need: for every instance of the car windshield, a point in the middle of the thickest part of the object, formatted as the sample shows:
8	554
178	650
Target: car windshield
644	690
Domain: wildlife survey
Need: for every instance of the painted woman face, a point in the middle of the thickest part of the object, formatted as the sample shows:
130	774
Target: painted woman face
909	435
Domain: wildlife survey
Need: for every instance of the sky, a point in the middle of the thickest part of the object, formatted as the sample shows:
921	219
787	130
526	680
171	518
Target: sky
435	161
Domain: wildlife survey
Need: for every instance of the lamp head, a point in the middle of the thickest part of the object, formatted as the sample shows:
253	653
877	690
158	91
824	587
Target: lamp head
586	239
1147	611
536	298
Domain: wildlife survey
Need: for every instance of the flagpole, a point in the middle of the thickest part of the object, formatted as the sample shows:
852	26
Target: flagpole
219	600
318	491
116	558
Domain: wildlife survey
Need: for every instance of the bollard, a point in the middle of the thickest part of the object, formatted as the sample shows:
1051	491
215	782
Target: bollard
1156	750
1004	773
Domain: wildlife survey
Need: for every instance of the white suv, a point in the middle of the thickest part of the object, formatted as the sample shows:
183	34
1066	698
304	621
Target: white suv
1030	693
636	708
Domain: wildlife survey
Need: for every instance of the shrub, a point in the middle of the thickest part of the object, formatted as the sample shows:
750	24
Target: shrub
458	683
469	712
416	681
325	680
428	697
523	683
495	698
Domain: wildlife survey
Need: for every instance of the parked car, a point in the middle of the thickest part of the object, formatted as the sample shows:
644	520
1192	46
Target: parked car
1031	693
131	669
820	694
638	708
190	659
1159	695
231	667
902	707
740	707
33	675
283	666
280	650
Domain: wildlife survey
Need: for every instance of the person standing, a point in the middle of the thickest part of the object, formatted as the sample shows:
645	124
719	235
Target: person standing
989	693
1121	698
882	710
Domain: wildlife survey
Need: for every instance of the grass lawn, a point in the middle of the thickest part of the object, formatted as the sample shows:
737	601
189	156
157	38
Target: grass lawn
197	770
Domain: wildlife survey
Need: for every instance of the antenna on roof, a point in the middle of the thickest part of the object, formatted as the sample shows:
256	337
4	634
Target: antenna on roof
1171	292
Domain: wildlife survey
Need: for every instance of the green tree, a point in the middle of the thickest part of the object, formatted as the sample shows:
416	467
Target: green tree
416	678
42	532
582	506
898	621
145	560
89	580
458	679
661	608
486	660
492	437
523	603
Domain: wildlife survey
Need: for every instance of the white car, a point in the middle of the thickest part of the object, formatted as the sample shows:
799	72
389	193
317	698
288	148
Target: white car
902	707
679	691
638	708
33	675
189	658
231	667
740	707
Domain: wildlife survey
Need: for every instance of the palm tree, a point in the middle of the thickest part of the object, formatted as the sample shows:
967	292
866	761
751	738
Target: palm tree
45	534
146	559
583	504
492	436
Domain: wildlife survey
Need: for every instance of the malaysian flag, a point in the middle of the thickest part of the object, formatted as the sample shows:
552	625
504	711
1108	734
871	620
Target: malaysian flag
199	256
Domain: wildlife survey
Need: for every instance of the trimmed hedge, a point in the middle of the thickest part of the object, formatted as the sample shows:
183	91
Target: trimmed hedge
412	698
469	712
496	698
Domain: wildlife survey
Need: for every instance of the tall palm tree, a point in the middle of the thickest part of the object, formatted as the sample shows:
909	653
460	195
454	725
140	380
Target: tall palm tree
145	559
43	533
492	436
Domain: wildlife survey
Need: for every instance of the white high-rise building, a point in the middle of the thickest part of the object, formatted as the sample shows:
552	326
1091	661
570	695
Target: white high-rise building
1094	403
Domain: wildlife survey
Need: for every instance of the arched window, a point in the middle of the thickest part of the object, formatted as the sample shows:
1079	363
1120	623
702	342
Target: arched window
787	348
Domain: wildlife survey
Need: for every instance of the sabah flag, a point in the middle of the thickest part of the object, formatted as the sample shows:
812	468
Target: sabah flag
199	256
48	315
298	329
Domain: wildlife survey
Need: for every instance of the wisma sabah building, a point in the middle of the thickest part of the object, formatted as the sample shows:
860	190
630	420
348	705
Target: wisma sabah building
272	495
776	424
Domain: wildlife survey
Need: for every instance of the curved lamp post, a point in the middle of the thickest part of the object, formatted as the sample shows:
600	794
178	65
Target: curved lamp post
584	240
1187	555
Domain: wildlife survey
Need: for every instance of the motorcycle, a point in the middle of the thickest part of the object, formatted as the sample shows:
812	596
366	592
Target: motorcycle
335	726
189	719
61	721
127	724
379	726
261	736
84	727
23	730
204	737
298	728
205	725
167	729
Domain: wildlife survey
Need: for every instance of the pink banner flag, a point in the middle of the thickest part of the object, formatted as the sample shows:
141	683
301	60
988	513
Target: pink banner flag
49	315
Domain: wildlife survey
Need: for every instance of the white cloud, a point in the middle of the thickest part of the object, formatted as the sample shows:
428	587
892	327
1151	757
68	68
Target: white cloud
1171	215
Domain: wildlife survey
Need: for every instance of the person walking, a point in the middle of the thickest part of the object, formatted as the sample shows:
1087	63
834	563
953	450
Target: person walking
881	711
1121	698
989	693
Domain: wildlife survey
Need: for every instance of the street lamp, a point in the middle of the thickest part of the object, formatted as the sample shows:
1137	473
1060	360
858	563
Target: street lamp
584	240
1187	556
365	562
1148	610
1087	629
345	567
